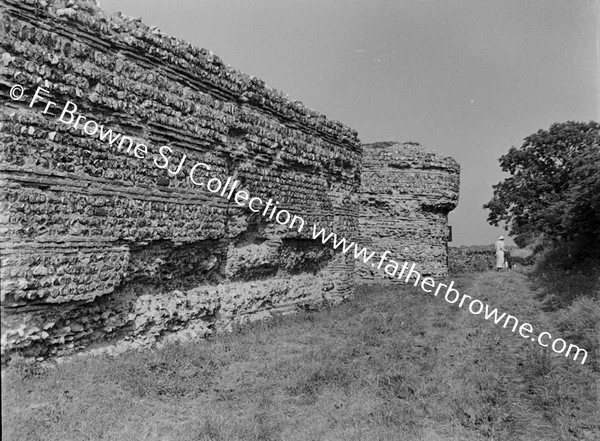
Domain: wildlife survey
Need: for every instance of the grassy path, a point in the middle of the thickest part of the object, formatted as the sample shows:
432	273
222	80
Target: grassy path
394	364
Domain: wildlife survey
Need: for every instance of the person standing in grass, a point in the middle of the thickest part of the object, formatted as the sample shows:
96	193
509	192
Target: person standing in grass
500	250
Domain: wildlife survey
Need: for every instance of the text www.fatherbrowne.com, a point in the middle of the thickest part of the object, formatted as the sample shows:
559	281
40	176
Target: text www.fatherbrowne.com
163	157
451	295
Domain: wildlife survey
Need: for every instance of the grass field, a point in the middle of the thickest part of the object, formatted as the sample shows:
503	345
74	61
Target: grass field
393	364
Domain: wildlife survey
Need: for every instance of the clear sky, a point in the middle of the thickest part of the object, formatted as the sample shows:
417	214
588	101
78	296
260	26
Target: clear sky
465	78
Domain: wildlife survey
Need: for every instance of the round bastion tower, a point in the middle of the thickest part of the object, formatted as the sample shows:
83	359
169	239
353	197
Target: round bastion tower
406	195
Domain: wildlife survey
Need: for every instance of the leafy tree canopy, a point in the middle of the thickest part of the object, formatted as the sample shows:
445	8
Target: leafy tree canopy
554	184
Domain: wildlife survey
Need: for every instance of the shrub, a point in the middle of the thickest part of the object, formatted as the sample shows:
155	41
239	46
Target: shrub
566	272
580	324
553	189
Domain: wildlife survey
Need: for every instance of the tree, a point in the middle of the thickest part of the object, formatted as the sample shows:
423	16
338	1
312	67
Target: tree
554	185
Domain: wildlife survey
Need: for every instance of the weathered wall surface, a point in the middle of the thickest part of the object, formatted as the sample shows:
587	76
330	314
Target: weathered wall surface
406	195
472	258
100	246
477	258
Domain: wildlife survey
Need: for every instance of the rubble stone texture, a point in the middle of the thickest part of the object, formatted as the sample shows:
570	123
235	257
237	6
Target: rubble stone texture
99	247
475	258
406	195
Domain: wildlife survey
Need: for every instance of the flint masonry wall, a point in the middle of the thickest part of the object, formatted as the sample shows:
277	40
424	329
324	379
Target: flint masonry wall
477	258
474	258
406	195
98	246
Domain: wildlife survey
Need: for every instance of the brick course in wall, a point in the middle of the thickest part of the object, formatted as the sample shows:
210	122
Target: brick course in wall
406	195
99	247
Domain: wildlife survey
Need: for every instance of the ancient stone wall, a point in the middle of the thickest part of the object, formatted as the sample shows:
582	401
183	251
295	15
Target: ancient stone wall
477	258
472	258
101	245
406	195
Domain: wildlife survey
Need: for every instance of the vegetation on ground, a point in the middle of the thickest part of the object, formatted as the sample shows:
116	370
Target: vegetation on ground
393	364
